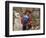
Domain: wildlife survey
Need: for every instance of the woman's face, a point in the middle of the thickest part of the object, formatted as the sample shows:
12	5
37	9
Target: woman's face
27	13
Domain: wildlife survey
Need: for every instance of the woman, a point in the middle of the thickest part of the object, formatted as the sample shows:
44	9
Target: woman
26	20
